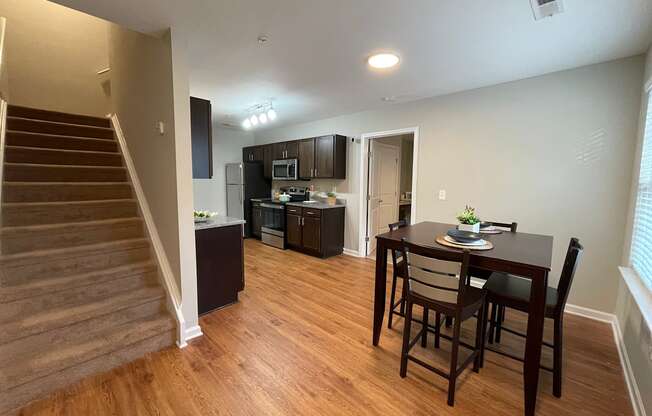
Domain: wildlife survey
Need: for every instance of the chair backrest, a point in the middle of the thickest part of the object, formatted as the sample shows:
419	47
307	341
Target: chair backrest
510	226
397	254
435	274
573	255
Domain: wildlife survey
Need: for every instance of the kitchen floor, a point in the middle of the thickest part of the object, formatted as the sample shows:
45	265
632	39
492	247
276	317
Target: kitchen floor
299	343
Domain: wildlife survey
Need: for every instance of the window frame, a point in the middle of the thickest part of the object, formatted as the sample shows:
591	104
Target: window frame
644	284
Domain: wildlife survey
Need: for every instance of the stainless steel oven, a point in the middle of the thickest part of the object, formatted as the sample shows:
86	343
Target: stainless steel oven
285	170
272	230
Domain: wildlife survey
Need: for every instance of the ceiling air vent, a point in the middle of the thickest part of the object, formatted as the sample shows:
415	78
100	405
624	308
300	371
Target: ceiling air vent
546	8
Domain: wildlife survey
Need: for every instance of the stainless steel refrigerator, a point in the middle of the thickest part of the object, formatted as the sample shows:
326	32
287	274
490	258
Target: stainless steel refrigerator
244	181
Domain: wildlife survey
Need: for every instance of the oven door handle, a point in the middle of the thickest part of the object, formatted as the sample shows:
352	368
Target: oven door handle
272	206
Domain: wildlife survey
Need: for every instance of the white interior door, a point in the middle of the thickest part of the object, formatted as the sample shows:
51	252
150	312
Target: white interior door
383	190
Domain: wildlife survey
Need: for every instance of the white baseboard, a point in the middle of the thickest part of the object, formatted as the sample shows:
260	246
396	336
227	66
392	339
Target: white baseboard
191	333
632	387
590	313
350	252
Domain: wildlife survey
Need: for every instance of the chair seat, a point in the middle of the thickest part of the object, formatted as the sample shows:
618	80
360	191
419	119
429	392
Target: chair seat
515	292
469	302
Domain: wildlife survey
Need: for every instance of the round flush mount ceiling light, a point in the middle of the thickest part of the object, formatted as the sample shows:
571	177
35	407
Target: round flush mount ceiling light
383	60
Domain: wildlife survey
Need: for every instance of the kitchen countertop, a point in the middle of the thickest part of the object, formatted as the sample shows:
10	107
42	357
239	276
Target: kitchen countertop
218	221
316	205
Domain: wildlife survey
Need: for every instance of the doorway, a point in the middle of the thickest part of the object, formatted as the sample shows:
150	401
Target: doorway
388	169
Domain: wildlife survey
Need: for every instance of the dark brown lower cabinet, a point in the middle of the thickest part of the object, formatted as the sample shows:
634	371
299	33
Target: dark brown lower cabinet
293	229
256	219
319	232
220	266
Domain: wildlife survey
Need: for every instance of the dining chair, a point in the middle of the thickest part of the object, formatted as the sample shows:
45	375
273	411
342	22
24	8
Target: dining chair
514	292
485	274
438	280
397	271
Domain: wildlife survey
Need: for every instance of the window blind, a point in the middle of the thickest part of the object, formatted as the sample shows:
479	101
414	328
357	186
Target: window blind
641	253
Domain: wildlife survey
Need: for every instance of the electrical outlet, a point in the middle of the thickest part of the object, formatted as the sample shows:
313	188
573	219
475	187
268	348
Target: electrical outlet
442	194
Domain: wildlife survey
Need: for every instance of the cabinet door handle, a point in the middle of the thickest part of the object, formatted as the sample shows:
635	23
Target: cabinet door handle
303	221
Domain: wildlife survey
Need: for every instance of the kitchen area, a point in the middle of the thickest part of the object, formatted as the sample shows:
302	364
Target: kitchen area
268	193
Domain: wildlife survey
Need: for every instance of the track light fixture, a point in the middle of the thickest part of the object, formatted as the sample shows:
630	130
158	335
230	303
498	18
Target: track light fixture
259	114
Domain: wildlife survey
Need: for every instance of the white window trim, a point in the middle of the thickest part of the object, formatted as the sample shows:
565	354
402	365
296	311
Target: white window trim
640	292
638	288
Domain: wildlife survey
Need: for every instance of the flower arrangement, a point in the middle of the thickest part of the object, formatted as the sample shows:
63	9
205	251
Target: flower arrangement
332	198
469	221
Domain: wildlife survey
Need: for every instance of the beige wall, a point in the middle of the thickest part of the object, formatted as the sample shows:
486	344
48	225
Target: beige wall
553	153
141	78
184	197
53	54
210	194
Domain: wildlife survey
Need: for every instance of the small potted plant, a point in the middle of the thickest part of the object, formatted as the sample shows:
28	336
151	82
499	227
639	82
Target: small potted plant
203	216
468	220
332	198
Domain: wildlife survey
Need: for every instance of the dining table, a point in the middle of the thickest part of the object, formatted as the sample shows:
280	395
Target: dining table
522	254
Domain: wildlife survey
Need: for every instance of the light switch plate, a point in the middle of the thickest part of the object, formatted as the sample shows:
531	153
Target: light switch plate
160	126
442	194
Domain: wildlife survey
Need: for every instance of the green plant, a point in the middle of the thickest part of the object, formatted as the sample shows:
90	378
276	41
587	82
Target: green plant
468	216
203	214
331	194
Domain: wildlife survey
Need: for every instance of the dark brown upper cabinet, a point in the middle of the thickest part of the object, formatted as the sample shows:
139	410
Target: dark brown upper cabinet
306	158
323	157
262	154
253	154
201	138
285	150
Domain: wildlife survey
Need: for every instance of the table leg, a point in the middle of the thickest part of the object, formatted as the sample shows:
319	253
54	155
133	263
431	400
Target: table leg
536	316
380	290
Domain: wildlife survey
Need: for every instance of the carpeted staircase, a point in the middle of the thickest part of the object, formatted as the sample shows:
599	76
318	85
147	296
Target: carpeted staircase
79	286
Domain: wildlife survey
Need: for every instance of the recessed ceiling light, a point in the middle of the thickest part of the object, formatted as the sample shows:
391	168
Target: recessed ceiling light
389	99
383	60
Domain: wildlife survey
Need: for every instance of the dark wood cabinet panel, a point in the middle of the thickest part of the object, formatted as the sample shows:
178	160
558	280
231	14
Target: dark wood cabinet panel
285	150
253	154
278	151
316	231
293	230
312	234
201	138
306	156
324	157
220	266
267	161
256	220
292	149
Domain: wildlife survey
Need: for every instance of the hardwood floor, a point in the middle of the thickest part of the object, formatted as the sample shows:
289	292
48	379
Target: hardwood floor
299	343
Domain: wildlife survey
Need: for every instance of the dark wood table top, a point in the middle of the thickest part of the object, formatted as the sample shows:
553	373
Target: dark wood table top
532	250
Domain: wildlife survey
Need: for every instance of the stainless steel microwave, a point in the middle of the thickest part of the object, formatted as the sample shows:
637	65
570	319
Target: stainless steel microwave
285	170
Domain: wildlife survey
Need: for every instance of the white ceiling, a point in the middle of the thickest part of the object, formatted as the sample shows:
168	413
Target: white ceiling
314	63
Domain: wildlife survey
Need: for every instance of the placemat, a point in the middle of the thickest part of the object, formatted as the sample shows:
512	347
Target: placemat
440	240
490	231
